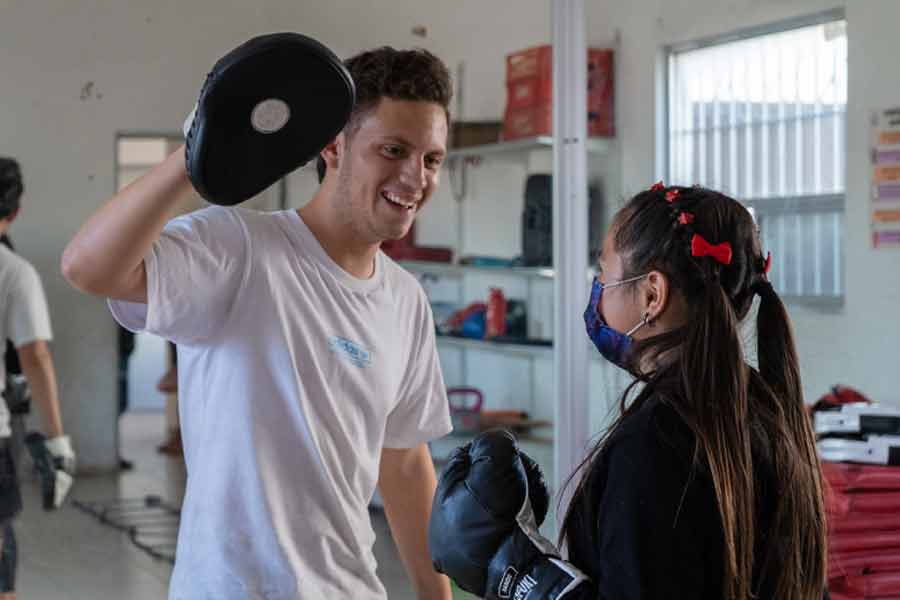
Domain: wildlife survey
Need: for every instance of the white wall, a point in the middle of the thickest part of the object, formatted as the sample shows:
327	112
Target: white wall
76	73
860	343
146	61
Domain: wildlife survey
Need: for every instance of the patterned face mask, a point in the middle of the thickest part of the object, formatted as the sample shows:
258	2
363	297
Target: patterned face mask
612	344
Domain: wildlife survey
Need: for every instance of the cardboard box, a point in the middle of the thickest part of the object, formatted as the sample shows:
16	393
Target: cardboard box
474	133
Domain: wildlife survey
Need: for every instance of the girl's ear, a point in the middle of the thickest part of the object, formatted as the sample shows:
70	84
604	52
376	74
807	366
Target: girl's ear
656	295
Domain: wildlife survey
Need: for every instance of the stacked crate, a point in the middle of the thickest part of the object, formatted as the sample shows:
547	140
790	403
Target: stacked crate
863	503
529	93
860	452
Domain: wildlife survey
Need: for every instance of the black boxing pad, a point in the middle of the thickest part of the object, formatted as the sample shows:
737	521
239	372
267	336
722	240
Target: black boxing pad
268	107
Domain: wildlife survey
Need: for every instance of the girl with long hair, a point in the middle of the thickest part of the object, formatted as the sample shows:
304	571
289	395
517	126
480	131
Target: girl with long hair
709	479
707	485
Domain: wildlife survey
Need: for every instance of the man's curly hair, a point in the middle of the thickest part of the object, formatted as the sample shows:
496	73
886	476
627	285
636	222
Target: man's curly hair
386	72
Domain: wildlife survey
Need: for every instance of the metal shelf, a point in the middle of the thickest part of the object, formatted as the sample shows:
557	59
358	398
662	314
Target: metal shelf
510	349
542	142
526	350
457	270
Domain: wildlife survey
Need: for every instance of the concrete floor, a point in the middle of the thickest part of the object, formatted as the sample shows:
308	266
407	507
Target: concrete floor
69	555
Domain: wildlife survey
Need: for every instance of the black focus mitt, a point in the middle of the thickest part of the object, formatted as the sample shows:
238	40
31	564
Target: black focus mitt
267	107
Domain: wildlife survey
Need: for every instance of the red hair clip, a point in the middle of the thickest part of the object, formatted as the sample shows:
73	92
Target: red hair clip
659	185
671	196
768	263
720	252
685	218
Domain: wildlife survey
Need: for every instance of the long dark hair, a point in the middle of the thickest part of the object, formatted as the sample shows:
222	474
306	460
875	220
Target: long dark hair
736	413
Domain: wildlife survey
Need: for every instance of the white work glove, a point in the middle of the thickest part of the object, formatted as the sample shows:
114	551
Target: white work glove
54	460
63	454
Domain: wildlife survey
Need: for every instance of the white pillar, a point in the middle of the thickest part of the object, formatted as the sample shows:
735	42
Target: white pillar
570	237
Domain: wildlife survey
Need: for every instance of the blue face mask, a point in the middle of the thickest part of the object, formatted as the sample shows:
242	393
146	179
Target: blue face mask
612	344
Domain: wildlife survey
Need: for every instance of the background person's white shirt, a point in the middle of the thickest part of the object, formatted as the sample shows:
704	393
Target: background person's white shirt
293	377
24	316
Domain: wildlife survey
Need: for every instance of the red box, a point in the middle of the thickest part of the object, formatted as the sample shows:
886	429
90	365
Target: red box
538	120
531	62
407	241
529	93
426	253
526	93
528	122
406	249
601	93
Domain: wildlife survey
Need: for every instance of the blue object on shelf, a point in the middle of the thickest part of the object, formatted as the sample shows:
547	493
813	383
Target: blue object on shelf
487	261
474	326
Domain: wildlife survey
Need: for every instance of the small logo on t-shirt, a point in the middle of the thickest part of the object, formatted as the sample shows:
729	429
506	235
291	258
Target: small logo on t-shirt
351	351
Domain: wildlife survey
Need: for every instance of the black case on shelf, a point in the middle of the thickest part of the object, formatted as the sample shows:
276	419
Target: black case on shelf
537	221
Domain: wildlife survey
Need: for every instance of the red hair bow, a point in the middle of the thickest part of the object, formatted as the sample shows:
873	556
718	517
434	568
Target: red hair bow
659	185
685	218
671	196
720	252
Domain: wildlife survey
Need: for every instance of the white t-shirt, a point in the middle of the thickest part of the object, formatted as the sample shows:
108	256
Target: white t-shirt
24	317
293	375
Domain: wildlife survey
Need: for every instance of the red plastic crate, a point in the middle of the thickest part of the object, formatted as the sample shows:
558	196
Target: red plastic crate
601	93
528	122
529	93
530	62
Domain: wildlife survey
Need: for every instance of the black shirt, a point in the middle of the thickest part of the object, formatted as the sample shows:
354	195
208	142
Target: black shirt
648	525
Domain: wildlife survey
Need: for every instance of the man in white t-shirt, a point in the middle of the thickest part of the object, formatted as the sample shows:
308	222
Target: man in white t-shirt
25	320
308	370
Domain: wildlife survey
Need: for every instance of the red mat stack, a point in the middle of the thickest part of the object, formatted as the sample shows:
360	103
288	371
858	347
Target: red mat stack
859	443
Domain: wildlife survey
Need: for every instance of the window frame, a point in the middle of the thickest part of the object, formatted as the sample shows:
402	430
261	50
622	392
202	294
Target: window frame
790	204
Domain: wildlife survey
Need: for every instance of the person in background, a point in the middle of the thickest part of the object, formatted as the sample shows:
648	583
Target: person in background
126	343
168	385
25	321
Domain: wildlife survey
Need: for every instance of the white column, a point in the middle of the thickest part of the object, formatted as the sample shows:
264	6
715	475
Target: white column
570	236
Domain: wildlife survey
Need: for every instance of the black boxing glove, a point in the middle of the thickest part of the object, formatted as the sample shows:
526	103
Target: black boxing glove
483	532
267	107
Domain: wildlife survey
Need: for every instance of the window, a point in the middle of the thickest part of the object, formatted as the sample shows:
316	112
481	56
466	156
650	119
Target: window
762	116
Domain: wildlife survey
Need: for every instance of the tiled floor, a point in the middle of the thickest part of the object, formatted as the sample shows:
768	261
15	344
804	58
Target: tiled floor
69	555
